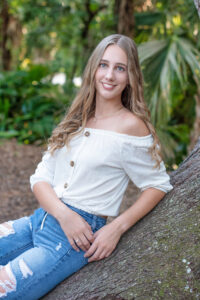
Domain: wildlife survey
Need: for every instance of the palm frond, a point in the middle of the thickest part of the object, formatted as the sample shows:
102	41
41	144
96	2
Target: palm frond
162	63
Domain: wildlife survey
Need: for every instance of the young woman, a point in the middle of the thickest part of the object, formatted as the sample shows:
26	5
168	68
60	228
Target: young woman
104	140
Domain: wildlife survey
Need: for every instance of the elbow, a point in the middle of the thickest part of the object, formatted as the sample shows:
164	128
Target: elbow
162	188
34	182
155	194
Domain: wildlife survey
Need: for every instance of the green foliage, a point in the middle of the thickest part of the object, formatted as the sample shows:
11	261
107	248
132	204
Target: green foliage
30	105
63	32
61	36
170	58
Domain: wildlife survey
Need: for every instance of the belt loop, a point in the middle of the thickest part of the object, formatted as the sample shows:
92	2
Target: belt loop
42	225
94	222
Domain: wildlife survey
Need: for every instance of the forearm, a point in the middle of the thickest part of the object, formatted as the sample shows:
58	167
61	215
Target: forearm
48	200
144	204
76	229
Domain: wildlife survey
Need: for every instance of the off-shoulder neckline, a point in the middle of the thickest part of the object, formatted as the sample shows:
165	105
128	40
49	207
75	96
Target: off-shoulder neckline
115	133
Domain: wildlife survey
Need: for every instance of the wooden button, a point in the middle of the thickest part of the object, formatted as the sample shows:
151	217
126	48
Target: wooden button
71	163
65	185
87	133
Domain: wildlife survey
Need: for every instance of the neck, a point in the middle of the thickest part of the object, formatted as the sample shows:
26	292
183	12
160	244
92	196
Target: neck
104	108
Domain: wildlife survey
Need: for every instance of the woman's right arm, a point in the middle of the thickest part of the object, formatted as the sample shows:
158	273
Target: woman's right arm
77	230
73	225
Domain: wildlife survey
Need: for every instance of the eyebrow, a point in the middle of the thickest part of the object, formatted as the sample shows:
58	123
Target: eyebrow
118	63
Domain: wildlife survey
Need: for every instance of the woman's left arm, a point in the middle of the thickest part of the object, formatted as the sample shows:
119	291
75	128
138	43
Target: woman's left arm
106	238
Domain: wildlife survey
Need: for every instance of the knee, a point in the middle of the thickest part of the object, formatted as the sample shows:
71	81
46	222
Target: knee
6	229
7	280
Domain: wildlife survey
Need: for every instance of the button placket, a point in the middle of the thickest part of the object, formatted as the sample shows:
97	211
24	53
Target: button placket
87	133
71	163
65	185
74	160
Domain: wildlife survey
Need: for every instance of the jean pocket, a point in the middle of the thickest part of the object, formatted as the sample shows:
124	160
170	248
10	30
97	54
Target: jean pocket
37	218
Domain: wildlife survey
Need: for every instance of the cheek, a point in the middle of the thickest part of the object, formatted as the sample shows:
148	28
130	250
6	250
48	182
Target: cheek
99	74
124	80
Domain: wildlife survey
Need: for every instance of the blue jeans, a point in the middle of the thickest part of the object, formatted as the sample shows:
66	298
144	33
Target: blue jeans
38	255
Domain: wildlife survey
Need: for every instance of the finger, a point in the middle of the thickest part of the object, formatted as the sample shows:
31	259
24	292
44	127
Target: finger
95	256
91	250
96	234
71	241
90	231
102	255
85	242
108	254
81	243
89	236
89	227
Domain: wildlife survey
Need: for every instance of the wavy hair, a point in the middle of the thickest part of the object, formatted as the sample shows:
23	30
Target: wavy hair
83	106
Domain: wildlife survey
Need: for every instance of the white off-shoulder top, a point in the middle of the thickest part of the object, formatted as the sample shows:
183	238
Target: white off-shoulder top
94	172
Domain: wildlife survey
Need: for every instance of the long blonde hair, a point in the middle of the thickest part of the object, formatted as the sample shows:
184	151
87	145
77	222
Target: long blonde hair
83	106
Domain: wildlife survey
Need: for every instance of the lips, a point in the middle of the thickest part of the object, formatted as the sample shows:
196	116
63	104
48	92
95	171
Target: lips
108	86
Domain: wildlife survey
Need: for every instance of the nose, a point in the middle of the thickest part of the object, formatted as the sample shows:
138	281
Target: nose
109	74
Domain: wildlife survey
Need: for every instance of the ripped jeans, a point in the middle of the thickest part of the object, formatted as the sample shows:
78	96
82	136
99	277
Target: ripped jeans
37	254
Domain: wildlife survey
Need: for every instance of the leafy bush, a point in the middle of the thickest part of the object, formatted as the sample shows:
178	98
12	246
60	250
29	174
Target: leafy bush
30	105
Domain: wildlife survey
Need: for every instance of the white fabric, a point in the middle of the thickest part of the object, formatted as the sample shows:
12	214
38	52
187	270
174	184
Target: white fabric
103	163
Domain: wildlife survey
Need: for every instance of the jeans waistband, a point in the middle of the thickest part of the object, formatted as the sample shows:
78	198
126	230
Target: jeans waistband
85	213
81	212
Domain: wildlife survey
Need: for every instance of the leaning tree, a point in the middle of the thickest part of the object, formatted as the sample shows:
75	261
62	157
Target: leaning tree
158	258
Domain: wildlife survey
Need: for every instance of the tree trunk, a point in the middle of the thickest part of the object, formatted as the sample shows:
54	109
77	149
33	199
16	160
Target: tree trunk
158	258
6	53
195	133
10	40
124	12
85	36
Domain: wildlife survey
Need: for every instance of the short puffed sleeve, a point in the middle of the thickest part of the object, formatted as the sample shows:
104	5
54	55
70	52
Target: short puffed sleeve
45	169
139	165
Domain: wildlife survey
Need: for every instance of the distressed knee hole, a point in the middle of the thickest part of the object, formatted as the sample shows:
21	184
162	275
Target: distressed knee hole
6	229
7	281
26	271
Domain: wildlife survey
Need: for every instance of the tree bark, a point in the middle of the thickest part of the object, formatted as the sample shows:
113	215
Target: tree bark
195	133
6	53
124	13
158	258
10	37
85	36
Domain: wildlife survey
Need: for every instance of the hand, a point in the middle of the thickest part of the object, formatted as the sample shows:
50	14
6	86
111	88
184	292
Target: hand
77	230
105	241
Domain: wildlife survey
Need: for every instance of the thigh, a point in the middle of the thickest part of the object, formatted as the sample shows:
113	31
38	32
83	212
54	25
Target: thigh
38	270
52	259
15	238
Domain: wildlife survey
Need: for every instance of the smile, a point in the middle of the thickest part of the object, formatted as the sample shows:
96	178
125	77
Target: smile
108	86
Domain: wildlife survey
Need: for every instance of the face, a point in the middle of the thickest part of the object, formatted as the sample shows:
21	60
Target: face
111	76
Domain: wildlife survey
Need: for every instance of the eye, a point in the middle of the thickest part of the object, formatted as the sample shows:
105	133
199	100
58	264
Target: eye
102	65
121	69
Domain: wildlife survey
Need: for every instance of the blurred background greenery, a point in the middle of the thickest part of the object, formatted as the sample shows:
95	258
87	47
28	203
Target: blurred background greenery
45	44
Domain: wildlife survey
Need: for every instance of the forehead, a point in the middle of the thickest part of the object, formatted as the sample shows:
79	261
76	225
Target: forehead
115	54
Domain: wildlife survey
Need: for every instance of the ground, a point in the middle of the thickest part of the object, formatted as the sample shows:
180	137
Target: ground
17	163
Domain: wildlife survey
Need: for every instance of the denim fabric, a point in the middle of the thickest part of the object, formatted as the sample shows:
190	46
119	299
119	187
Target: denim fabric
39	254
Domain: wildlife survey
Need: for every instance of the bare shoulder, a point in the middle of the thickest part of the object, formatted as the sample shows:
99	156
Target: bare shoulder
133	125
